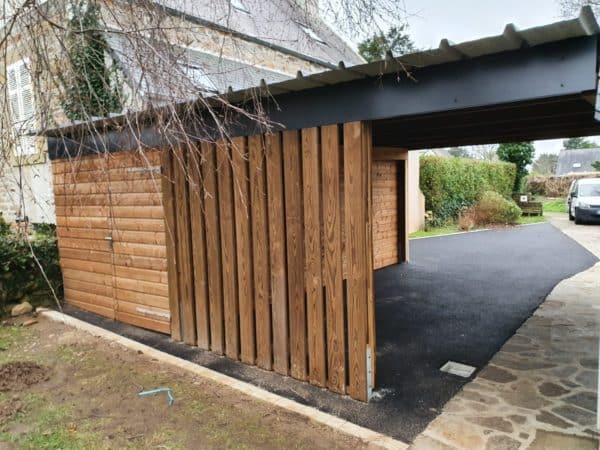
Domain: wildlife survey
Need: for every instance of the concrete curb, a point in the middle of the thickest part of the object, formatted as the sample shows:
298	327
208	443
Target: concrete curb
479	230
374	439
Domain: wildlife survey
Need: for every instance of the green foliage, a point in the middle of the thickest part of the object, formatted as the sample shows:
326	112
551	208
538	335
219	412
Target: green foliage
577	143
459	152
450	184
545	164
596	165
20	277
44	230
521	155
396	40
4	227
90	88
493	208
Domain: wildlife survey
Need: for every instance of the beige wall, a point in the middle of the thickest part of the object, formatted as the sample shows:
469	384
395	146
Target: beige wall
416	199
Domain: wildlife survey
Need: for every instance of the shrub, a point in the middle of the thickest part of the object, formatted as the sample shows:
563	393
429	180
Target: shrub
492	208
20	277
451	184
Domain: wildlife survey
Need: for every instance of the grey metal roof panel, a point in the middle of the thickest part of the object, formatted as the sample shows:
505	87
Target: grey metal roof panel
511	39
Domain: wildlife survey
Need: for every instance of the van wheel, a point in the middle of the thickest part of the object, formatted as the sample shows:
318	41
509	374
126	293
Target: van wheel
578	220
571	217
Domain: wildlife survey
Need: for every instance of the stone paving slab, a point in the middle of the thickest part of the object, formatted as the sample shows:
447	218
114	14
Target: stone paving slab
540	390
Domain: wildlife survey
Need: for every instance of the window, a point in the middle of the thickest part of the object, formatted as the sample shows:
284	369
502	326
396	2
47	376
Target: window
20	94
311	33
237	4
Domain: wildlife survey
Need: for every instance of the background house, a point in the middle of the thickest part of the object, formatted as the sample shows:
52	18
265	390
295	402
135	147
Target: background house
577	161
203	47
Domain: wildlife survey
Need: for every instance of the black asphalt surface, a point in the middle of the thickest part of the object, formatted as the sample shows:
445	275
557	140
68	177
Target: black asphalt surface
459	299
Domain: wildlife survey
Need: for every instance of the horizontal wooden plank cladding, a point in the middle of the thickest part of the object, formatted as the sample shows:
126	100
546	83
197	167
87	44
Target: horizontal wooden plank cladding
111	236
385	213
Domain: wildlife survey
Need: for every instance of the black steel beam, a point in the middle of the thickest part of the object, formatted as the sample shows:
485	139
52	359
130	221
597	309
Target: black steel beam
553	70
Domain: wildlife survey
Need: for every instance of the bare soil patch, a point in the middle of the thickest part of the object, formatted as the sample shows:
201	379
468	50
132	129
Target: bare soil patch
89	399
16	376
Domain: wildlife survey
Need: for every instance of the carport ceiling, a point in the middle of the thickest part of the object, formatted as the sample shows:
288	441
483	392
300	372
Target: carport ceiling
544	119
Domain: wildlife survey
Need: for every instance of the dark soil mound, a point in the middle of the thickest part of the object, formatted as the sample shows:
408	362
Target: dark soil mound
16	376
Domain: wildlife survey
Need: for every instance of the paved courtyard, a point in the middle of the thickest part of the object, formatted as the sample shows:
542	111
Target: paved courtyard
540	390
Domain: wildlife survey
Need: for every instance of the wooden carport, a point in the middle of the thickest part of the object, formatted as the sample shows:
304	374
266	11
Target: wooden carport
262	246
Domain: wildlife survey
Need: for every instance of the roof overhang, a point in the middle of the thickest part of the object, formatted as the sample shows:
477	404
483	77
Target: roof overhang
492	90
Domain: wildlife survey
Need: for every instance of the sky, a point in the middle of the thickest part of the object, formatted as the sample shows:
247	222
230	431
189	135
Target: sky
463	20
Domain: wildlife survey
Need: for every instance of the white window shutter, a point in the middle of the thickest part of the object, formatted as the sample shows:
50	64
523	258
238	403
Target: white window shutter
20	91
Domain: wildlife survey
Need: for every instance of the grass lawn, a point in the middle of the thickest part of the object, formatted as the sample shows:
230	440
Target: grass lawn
554	205
87	398
453	228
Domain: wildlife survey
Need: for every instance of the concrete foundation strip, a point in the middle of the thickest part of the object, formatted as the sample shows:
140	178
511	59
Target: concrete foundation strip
372	438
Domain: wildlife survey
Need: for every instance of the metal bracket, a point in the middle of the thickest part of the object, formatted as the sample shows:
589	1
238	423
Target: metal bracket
109	238
369	375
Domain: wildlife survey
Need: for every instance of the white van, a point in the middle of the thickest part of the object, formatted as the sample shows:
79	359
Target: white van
584	200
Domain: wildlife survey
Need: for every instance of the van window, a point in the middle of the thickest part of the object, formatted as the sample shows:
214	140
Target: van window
589	190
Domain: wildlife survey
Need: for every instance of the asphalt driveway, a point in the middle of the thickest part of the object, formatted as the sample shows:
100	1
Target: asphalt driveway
459	299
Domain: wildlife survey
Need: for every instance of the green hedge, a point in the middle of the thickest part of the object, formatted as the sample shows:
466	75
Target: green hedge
20	277
450	184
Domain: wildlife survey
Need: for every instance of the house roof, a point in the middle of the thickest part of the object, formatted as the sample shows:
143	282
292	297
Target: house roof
277	23
575	161
182	72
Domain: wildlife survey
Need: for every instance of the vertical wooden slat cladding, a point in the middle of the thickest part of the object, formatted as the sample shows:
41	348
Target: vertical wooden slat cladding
259	235
313	255
198	234
260	251
356	212
228	255
277	253
213	247
292	169
107	196
239	155
332	258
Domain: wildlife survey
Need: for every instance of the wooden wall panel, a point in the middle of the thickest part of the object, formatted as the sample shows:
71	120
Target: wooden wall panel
213	248
332	258
385	213
277	253
198	234
311	183
356	220
184	250
239	154
116	196
228	251
260	251
294	222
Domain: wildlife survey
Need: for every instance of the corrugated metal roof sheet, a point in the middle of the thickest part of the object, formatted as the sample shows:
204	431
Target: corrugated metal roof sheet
510	39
